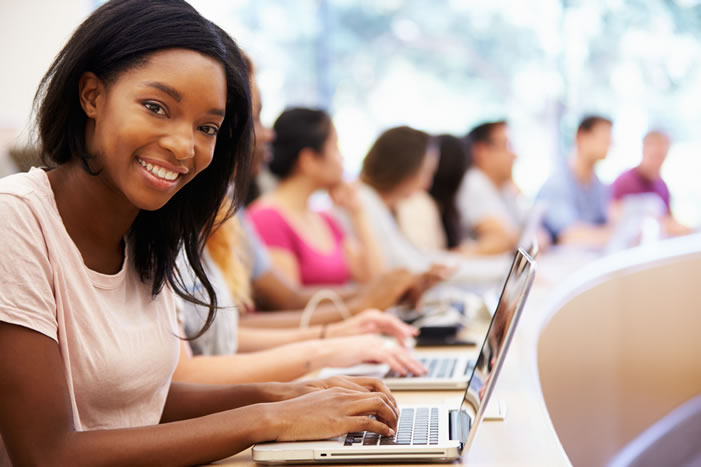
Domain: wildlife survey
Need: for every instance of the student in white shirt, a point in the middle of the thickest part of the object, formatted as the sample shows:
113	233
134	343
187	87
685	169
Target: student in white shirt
492	208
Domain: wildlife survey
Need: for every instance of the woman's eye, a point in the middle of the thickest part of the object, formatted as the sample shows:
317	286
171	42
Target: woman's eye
155	108
209	130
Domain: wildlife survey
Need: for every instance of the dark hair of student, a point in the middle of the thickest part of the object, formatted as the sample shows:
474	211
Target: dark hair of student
396	155
121	35
482	134
297	129
452	165
590	121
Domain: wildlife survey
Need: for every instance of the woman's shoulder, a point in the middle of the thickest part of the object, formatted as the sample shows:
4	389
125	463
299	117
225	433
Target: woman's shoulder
26	195
24	185
265	212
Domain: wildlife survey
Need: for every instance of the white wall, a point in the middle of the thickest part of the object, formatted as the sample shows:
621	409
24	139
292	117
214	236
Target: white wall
31	33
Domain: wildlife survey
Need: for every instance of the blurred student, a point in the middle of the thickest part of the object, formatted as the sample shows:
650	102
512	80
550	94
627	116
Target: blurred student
400	163
647	178
430	219
255	282
576	200
311	247
493	211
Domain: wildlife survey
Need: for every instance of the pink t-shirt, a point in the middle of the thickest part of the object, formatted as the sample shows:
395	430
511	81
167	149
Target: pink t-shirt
119	344
315	267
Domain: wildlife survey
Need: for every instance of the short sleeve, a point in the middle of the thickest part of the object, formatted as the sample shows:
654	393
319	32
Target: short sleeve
272	228
619	188
338	233
259	255
478	200
560	209
26	279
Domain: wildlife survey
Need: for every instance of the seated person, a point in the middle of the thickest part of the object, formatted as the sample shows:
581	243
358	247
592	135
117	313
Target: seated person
129	115
453	162
399	163
427	217
574	197
492	209
265	288
310	247
647	178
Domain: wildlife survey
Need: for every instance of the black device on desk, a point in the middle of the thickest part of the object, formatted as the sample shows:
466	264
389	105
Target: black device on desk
438	324
440	336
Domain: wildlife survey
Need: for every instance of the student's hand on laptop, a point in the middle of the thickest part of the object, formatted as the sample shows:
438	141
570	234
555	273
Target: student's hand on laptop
349	351
356	383
332	412
373	322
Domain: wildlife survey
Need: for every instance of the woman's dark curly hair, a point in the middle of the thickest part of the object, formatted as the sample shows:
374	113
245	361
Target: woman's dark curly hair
118	36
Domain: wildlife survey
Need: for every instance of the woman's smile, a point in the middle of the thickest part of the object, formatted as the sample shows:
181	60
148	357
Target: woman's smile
161	175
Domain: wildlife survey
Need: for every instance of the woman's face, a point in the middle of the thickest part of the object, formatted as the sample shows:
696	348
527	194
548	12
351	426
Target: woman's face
155	127
265	135
328	165
422	178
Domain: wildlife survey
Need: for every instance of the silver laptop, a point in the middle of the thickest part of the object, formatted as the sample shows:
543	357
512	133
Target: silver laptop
432	433
446	370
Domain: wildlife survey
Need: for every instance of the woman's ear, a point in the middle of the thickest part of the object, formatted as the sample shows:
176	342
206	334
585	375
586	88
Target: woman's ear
90	92
307	161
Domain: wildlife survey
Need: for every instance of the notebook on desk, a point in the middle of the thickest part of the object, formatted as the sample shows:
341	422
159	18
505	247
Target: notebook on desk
433	432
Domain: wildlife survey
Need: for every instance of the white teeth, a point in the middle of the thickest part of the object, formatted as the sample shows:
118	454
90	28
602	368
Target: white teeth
159	172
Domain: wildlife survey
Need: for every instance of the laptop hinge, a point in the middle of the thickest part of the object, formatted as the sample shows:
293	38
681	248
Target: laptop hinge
459	426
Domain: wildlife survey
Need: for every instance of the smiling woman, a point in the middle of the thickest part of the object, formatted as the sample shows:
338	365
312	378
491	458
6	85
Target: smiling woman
145	120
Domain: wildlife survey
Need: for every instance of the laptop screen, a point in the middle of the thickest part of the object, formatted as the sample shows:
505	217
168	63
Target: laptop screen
513	295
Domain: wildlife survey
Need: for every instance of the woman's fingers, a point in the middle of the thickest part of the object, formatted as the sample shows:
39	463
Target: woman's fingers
402	362
374	385
390	325
378	405
366	423
415	367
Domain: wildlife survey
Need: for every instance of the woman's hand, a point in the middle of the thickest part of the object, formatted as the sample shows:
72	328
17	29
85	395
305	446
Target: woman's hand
333	412
345	196
384	291
348	351
372	322
355	383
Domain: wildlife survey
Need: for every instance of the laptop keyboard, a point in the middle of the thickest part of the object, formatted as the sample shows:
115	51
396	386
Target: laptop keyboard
416	427
439	367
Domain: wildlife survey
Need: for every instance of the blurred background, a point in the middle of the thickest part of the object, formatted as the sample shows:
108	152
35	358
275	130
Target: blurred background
441	66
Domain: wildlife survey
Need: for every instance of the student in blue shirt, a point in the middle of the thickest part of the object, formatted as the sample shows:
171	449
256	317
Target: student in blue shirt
576	200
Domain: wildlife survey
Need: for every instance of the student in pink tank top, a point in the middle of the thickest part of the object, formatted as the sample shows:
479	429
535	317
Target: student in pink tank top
145	116
311	247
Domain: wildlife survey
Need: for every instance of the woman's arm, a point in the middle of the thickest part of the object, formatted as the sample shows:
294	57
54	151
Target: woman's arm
288	362
286	263
363	253
37	428
252	339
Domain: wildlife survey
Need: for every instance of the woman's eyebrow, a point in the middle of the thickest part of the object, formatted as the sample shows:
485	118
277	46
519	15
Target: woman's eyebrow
165	88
